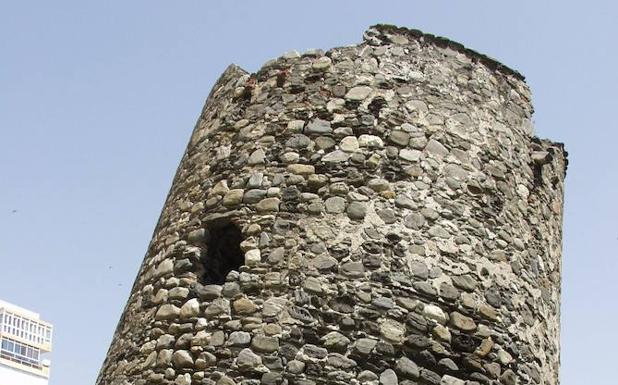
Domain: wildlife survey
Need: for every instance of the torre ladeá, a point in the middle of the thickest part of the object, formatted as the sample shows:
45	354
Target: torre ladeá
374	214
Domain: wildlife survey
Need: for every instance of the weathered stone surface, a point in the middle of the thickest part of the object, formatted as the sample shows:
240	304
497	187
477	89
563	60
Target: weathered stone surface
335	205
340	361
335	341
399	137
191	308
388	377
295	367
182	359
248	360
442	333
318	126
239	338
301	169
349	144
322	63
434	312
372	141
392	331
365	345
358	93
462	322
376	214
167	311
465	282
356	210
268	205
407	368
436	148
218	307
450	380
265	344
410	155
352	269
244	306
336	156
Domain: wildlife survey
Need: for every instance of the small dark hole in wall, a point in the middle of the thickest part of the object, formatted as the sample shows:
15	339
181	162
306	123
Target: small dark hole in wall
376	105
223	253
537	170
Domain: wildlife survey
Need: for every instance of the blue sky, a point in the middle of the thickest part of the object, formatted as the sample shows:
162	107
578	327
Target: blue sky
98	99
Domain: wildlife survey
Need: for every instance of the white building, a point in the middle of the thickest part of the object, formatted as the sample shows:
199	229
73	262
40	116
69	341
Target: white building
24	338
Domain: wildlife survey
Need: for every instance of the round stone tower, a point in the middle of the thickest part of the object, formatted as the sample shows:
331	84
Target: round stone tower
374	214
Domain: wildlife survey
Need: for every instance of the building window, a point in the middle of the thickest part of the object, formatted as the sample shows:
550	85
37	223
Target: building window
223	252
19	352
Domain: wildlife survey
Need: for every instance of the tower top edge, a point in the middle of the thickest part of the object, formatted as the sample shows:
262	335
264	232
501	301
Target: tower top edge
383	33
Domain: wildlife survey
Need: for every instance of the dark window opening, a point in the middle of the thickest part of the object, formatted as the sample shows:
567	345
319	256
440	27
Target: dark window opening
223	253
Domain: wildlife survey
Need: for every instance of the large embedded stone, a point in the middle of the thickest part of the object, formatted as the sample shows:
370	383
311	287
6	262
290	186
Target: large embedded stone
179	293
191	308
208	292
253	257
247	360
166	267
335	205
403	202
257	157
183	379
353	269
254	196
324	262
335	341
372	141
182	359
365	345
462	322
438	232
244	306
410	155
298	141
392	331
313	285
265	344
435	313
295	366
314	351
167	311
436	148
233	197
358	93
356	210
378	184
268	205
465	282
442	333
322	63
407	368
301	169
239	338
318	126
388	377
218	307
399	137
349	144
340	361
419	269
336	156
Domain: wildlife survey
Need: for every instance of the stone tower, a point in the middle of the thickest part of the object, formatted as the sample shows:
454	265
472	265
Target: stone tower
374	214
